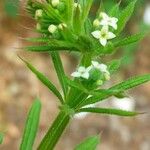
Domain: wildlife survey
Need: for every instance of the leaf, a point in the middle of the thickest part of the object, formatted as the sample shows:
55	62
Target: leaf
53	45
114	12
129	40
69	10
132	82
125	85
125	16
31	126
1	138
85	9
90	143
77	21
60	71
38	39
109	111
114	66
44	80
86	6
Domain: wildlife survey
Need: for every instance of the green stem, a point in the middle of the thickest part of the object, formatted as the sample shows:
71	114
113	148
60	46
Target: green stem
55	132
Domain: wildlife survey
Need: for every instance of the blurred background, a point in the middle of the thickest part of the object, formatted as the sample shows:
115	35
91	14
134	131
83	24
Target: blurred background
18	86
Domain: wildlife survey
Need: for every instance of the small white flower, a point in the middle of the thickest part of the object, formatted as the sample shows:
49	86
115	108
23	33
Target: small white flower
52	28
61	26
147	15
101	67
108	21
55	3
38	13
103	35
96	23
82	72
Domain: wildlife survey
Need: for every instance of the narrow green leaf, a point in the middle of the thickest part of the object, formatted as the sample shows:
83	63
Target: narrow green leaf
60	71
132	82
44	80
125	85
38	39
125	16
52	13
69	11
53	45
90	143
129	40
1	138
114	12
85	9
31	126
86	6
77	21
109	111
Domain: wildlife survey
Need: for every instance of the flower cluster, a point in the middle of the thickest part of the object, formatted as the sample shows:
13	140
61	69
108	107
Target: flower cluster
102	24
53	27
97	72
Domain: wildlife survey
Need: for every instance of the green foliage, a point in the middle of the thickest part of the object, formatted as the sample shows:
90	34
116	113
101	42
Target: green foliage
66	26
125	85
90	143
129	40
125	16
44	80
1	138
109	111
31	126
53	45
60	71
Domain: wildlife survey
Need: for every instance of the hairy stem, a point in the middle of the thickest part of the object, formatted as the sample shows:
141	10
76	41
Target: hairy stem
54	133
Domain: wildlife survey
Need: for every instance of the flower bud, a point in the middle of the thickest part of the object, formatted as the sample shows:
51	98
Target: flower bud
52	28
77	5
62	25
55	3
38	26
107	76
38	13
96	23
99	82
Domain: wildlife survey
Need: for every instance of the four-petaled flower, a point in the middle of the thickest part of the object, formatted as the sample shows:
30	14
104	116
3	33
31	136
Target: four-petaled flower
103	35
108	21
82	72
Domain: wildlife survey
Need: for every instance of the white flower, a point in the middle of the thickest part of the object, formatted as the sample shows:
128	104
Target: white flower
52	28
38	13
103	68
55	3
82	72
108	21
61	26
103	35
147	15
